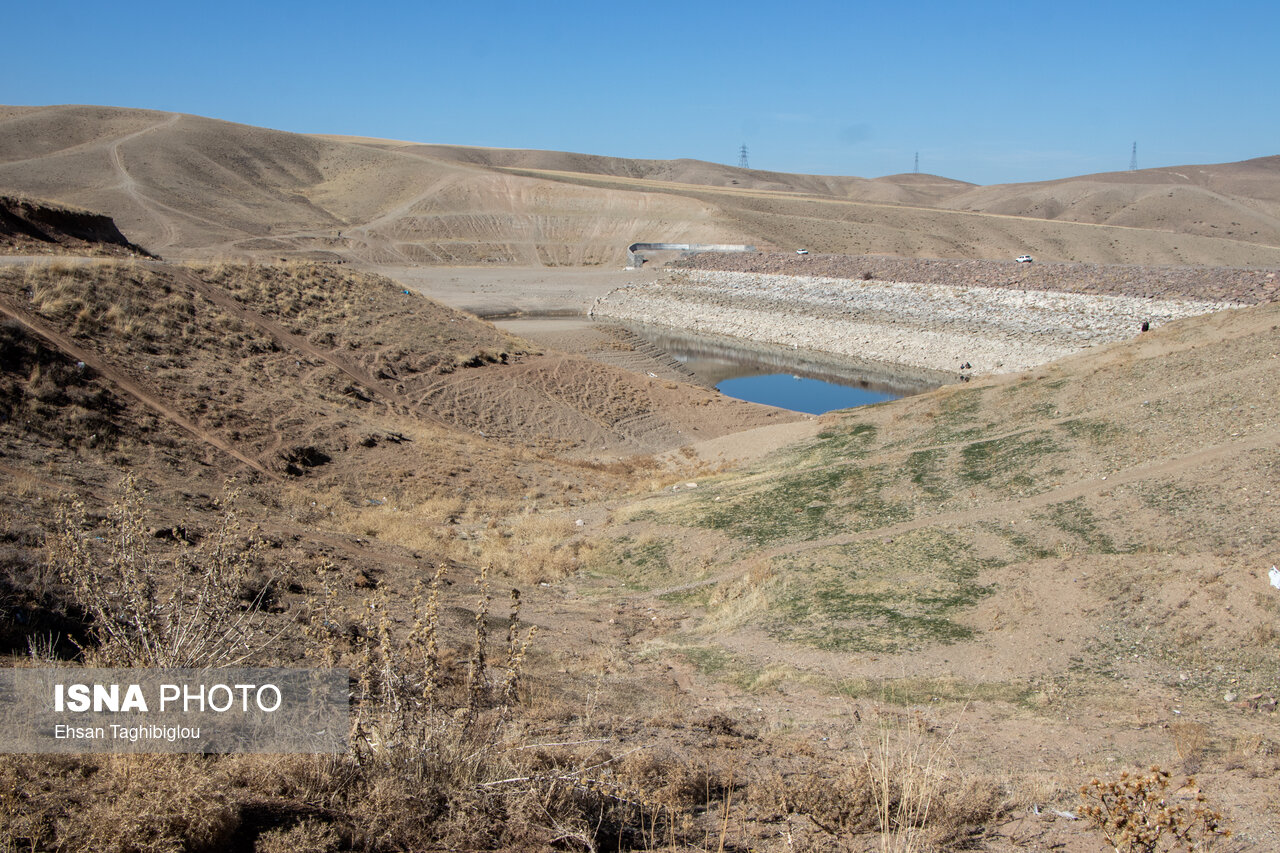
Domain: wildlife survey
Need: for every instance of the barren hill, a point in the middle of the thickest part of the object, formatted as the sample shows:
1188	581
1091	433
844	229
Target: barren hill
898	188
192	187
1238	201
32	227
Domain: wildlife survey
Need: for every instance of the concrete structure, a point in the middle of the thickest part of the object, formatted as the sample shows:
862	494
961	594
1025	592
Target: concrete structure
635	260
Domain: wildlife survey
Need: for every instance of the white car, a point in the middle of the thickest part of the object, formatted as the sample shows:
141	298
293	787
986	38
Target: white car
1023	259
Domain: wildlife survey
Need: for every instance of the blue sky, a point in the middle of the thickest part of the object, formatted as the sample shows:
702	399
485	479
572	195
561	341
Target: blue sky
989	92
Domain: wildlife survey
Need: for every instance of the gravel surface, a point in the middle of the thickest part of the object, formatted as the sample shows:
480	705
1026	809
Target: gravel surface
993	329
1214	284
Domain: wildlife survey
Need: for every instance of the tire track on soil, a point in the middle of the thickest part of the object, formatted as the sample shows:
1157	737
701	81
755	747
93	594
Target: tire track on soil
130	185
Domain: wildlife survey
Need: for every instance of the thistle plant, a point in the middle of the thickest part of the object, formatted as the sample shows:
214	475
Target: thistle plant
1138	814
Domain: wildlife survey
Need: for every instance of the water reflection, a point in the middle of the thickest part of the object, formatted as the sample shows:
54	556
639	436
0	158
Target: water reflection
799	380
800	393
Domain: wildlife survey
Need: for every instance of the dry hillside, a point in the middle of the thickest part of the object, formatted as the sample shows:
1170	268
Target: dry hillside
29	227
1019	582
193	187
1239	201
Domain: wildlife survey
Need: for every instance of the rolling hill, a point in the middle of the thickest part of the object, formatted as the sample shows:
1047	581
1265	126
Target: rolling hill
192	187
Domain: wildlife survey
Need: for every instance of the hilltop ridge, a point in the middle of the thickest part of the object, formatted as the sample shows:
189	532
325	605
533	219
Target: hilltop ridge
193	187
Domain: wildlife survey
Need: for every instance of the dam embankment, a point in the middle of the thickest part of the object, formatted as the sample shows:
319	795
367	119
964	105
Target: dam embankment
1249	286
931	326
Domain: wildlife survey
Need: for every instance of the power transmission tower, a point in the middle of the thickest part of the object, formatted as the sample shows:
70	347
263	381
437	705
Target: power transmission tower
917	162
1133	159
742	157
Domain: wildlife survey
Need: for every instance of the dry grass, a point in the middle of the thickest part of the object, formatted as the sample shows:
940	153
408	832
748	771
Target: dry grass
397	334
1190	739
203	607
120	804
445	752
509	535
902	787
106	299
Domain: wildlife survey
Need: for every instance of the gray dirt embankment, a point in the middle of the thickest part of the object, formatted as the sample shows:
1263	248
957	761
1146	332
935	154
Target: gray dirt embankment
1212	284
935	326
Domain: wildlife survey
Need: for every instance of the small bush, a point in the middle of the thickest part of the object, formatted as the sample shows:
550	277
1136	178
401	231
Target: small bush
903	788
1138	814
199	609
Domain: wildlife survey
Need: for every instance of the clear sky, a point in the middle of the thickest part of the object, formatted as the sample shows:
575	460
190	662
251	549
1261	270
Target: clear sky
989	92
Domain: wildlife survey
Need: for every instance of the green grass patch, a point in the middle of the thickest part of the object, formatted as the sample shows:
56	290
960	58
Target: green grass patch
1021	546
1002	462
925	469
922	691
795	506
1074	518
878	596
638	563
804	505
835	444
1094	431
1170	497
721	664
851	439
957	419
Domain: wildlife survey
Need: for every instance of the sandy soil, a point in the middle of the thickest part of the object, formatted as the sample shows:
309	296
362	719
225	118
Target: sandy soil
183	186
494	292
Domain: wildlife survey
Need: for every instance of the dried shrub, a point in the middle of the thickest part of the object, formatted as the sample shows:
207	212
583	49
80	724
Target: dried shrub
1189	740
199	608
307	836
903	788
1139	814
118	804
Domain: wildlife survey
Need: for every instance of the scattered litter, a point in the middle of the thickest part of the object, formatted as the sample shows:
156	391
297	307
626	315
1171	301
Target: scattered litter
1035	810
579	522
375	502
1275	577
691	485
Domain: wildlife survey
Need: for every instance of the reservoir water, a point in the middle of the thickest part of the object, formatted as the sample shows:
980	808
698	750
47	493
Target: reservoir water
789	379
800	393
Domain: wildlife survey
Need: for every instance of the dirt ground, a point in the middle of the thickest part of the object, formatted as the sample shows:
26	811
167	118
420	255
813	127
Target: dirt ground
498	292
194	188
1021	583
